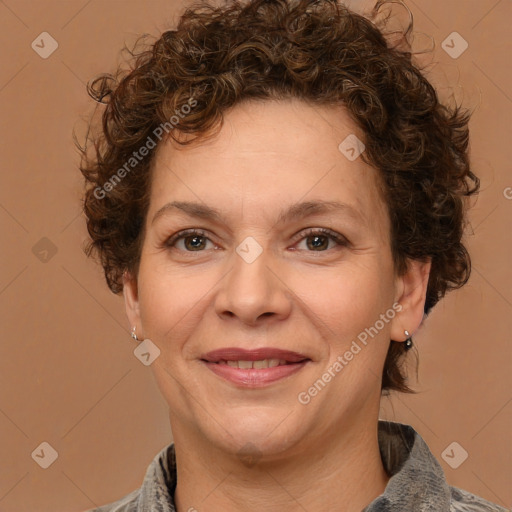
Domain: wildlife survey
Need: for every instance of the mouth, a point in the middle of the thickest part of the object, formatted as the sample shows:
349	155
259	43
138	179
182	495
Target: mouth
254	368
258	365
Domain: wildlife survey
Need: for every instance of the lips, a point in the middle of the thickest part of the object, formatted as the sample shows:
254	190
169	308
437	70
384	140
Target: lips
254	368
240	354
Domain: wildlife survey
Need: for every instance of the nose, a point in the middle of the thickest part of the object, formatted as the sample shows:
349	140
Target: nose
253	289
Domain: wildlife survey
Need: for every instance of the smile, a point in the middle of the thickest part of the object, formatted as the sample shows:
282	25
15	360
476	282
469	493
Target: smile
264	363
254	368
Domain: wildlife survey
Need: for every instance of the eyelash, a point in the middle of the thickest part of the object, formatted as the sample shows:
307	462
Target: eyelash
338	239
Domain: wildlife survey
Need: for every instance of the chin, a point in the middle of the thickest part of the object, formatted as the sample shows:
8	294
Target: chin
258	434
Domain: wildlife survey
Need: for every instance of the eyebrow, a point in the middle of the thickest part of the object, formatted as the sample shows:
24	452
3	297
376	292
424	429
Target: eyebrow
294	212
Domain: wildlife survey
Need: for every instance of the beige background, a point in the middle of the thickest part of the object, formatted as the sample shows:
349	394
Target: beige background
68	375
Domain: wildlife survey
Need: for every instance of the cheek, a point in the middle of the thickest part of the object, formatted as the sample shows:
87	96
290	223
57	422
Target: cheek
340	301
348	300
171	300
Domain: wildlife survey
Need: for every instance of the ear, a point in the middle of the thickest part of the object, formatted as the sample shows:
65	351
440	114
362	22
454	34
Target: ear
411	293
131	300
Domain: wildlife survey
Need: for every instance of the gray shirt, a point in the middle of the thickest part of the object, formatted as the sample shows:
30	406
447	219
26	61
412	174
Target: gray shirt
417	482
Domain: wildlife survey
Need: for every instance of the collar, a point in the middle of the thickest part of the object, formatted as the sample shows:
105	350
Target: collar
417	482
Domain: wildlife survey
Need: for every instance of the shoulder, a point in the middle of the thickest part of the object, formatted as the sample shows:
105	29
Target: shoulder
156	492
417	479
464	501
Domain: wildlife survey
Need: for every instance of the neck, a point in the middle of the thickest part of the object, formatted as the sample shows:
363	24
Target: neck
346	469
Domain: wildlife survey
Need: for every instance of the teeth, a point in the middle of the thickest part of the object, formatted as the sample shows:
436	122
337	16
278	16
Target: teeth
265	363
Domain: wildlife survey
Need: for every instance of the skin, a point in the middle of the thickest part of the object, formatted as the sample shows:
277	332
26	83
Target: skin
294	296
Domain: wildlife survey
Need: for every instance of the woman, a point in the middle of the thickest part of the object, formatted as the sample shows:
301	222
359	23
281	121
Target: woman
279	195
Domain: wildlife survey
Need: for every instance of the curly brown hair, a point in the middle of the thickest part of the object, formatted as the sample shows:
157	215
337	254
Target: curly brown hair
318	51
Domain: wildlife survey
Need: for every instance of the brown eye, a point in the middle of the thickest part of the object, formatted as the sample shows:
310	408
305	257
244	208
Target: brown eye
317	240
196	242
193	240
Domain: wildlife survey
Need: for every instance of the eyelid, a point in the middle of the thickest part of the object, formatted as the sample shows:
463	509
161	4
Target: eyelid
338	238
183	234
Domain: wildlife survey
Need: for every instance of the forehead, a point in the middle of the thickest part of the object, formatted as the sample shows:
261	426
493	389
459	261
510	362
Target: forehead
268	154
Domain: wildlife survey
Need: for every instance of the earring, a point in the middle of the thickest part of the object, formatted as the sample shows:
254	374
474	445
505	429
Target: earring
408	341
134	336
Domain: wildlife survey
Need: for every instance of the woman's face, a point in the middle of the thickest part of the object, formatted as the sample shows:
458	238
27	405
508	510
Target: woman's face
257	278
